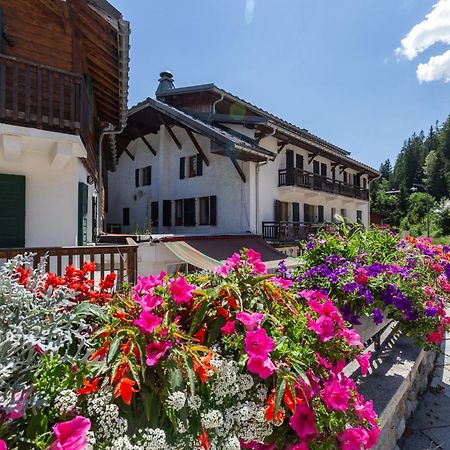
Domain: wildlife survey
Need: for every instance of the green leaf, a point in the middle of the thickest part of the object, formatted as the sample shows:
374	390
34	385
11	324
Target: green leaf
190	371
301	373
175	379
134	371
199	316
214	333
37	425
91	309
281	386
113	348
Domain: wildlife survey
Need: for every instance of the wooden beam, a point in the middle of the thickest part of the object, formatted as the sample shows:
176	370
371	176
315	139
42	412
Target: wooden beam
148	145
129	154
281	145
239	170
197	146
342	168
311	156
170	131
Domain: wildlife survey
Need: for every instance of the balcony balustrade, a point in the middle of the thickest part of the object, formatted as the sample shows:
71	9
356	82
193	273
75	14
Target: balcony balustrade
284	231
313	181
40	96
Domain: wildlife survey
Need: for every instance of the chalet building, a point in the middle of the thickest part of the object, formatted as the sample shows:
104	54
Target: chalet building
198	160
63	97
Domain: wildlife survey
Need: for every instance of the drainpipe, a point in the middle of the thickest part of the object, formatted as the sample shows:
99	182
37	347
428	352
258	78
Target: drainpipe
107	131
258	165
216	102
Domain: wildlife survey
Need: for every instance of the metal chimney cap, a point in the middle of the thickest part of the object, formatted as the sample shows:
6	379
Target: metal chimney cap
166	74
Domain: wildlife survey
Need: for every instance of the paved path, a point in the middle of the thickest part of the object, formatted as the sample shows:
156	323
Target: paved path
429	428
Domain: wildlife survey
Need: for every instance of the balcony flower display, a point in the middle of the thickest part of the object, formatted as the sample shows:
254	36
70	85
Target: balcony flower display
234	359
374	273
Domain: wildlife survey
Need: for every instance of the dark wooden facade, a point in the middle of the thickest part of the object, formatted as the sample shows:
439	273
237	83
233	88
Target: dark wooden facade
62	68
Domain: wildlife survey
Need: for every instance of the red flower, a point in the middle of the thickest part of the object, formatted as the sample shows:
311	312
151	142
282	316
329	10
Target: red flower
122	371
200	335
223	312
124	389
53	280
108	282
89	386
102	351
23	275
269	411
204	441
203	367
88	267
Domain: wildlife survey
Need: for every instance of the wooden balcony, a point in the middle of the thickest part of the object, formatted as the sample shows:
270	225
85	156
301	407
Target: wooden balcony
285	232
118	258
39	96
309	180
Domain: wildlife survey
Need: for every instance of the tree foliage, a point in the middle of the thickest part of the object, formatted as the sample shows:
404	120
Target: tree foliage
423	160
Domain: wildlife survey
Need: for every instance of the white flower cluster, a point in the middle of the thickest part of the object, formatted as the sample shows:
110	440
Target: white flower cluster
148	439
212	419
194	402
226	382
66	402
176	400
110	425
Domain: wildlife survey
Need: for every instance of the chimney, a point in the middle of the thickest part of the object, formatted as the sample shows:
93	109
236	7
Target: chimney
165	82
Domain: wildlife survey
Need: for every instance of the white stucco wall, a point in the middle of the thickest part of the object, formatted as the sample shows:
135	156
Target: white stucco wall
52	169
237	210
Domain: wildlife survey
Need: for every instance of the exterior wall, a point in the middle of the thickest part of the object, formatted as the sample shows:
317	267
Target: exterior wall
241	207
220	179
52	169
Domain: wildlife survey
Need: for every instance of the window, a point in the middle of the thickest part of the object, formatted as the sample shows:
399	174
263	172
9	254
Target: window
316	167
207	210
345	175
333	215
323	169
189	212
320	214
136	177
154	214
308	211
359	216
167	213
195	166
289	159
126	216
296	212
364	180
178	213
299	161
343	213
147	176
145	179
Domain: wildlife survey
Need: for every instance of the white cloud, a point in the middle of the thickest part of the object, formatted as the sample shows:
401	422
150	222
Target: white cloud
437	68
434	28
249	10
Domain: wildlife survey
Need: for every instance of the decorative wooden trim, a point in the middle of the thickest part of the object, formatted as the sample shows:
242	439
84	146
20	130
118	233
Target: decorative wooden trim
170	131
239	169
148	145
129	154
197	146
311	157
342	168
281	145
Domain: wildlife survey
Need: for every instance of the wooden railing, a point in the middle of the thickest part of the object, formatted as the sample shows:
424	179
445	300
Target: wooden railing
309	180
287	231
118	258
43	97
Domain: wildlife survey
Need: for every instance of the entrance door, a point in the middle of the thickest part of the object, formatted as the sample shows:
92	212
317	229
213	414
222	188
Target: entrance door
12	211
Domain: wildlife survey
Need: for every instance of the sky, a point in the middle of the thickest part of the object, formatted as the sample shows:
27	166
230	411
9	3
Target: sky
362	74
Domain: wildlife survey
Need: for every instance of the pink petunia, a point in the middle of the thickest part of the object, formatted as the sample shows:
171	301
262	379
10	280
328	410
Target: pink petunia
263	367
303	422
155	351
323	326
149	302
335	395
181	290
286	284
258	343
326	308
71	435
363	361
435	337
147	322
17	411
254	258
353	438
365	411
228	328
3	445
352	337
251	322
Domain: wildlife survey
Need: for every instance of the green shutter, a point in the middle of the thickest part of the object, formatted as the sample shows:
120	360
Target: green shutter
82	213
12	211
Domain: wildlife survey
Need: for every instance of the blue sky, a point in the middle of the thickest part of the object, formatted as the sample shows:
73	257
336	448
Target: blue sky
328	66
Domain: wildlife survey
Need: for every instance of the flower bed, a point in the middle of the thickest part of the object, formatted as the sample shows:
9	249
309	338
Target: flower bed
222	361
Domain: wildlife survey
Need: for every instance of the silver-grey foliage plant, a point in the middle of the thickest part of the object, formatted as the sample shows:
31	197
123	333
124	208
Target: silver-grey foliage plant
33	321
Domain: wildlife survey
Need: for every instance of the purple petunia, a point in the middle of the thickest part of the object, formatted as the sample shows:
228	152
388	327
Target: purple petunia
377	316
